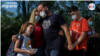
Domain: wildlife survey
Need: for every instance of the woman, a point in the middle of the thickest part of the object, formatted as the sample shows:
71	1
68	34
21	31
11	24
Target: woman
38	32
91	34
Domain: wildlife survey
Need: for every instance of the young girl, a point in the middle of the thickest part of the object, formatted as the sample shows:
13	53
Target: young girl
26	32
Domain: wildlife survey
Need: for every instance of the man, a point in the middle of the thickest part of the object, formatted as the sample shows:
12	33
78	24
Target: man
78	30
52	23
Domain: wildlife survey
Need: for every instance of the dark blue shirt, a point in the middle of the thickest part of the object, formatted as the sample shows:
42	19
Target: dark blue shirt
51	27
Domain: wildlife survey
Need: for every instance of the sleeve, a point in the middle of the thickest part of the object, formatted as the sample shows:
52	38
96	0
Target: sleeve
85	26
60	20
70	28
19	37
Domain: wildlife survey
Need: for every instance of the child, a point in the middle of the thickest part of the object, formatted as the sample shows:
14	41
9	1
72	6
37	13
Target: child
78	30
26	32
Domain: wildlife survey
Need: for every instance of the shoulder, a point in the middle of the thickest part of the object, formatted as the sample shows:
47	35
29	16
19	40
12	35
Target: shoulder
73	21
83	19
56	15
20	36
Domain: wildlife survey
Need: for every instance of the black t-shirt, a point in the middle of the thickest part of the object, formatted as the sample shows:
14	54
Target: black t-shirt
51	27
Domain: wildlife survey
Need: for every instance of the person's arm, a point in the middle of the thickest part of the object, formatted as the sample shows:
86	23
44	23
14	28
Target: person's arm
85	29
70	33
65	28
96	34
80	39
93	35
16	48
13	38
61	32
63	25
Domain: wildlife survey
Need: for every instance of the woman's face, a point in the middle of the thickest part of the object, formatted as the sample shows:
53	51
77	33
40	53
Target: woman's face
37	16
37	13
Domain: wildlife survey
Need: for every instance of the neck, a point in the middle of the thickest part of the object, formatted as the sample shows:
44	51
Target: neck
25	35
49	13
78	17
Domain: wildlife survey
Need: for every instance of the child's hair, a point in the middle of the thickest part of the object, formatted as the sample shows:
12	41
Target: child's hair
23	29
73	8
87	17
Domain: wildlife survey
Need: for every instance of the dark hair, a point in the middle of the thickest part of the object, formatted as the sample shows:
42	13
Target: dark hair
43	4
87	17
73	8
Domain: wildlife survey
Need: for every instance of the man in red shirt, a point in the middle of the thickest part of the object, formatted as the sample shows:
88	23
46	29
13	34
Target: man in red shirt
78	30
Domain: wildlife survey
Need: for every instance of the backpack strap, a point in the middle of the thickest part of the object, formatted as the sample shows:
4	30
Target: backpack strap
21	40
91	30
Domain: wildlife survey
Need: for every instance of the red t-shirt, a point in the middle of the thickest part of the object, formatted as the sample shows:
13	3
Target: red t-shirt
77	27
38	35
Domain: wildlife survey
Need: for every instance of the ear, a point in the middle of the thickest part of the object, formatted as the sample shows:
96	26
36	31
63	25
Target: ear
46	7
77	11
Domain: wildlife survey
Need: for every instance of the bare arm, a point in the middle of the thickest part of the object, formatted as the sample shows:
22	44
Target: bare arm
93	35
80	39
65	28
70	33
16	47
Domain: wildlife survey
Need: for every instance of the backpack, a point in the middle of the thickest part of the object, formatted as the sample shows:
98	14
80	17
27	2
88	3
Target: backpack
10	51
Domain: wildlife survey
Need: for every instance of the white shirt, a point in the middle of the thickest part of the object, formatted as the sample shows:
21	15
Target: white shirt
24	46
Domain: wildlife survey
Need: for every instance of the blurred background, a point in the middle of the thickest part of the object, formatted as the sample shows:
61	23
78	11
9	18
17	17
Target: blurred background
13	18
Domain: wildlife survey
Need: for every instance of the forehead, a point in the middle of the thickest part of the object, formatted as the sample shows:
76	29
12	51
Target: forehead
72	12
90	19
30	26
36	12
39	7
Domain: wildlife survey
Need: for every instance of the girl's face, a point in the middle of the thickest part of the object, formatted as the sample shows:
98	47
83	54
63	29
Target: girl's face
30	29
89	20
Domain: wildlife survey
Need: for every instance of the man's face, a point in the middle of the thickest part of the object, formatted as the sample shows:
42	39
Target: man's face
75	13
43	11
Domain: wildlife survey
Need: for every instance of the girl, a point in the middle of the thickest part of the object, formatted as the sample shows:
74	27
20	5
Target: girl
26	32
91	34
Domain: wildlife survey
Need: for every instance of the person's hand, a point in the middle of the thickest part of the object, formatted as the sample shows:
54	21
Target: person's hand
70	47
61	32
23	24
96	35
29	52
14	38
65	46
